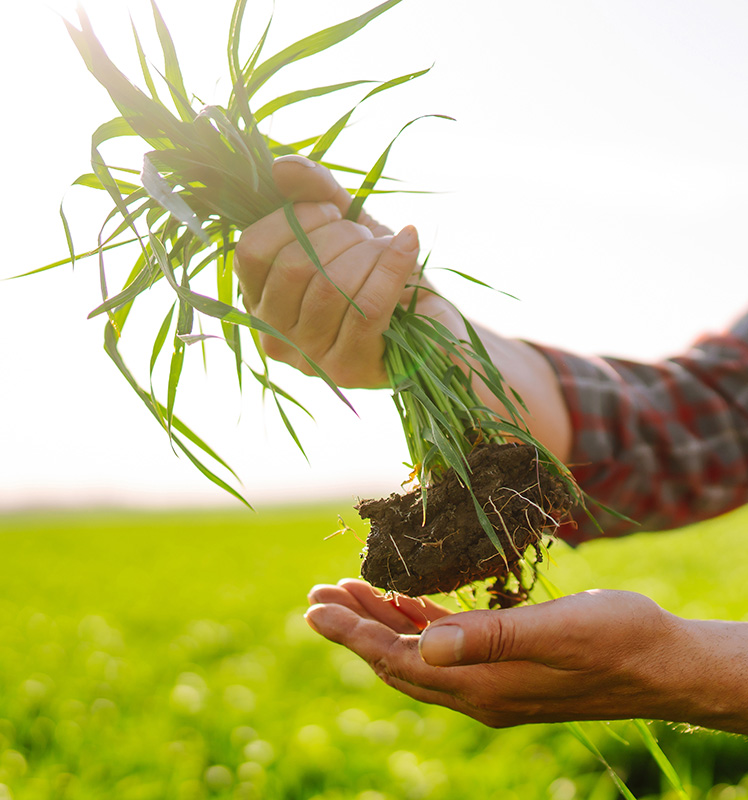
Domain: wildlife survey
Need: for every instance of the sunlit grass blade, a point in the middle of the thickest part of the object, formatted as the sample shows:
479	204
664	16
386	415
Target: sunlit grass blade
375	173
222	311
160	340
110	346
325	142
173	71
471	279
68	236
141	282
296	97
92	181
162	193
311	45
580	734
661	759
144	64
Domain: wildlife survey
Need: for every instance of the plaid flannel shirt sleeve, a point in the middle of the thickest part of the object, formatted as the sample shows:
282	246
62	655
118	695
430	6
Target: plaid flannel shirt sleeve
666	444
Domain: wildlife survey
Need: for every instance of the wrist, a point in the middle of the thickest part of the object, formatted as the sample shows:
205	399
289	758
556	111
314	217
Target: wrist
704	680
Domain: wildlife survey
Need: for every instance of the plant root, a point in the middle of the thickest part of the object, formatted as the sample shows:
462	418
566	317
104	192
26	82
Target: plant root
410	555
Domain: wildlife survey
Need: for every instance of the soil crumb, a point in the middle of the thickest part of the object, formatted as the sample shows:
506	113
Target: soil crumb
450	549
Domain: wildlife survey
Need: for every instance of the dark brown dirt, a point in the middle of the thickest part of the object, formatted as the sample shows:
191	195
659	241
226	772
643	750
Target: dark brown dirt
405	555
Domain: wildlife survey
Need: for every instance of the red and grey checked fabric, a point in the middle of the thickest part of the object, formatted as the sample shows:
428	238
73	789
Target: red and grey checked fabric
664	443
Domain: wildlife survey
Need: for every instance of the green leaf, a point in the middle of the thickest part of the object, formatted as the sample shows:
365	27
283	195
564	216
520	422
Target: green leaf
666	768
171	64
579	733
163	332
175	371
312	45
92	181
228	129
470	278
323	144
68	237
144	64
162	193
110	346
218	310
375	173
296	97
141	282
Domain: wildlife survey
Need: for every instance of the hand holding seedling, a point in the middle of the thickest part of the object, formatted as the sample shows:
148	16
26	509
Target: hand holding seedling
281	286
593	655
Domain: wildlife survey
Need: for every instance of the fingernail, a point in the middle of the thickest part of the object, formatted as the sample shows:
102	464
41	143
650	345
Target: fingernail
308	618
442	646
312	592
301	161
406	241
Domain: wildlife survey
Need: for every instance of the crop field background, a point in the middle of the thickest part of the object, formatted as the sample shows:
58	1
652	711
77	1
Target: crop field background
151	656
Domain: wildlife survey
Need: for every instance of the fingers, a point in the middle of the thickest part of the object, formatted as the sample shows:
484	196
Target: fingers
294	278
391	655
326	593
420	611
260	244
359	341
282	287
403	614
372	606
298	178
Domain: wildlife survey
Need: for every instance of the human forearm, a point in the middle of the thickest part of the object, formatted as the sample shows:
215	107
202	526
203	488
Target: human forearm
530	374
706	682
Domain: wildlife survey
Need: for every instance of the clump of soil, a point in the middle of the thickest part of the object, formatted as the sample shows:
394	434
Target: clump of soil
450	549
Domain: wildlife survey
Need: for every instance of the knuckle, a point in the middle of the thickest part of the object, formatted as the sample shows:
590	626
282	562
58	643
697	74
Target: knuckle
322	291
274	347
294	264
302	365
374	311
499	639
248	255
353	229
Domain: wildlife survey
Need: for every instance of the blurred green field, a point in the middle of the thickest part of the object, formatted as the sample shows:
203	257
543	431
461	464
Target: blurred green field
151	656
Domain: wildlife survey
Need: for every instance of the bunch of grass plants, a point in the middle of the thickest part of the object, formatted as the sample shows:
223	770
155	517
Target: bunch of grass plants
206	177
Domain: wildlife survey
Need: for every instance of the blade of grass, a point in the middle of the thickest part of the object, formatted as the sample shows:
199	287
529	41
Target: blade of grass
162	193
325	142
308	248
375	172
110	346
311	45
296	97
661	759
173	70
144	63
214	308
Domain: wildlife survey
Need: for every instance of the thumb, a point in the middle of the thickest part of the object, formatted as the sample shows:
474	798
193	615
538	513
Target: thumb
301	179
530	633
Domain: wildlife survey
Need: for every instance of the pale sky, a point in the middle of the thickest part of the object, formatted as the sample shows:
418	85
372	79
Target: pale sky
597	169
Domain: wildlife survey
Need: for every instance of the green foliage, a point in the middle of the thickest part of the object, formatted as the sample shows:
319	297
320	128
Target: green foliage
164	655
206	177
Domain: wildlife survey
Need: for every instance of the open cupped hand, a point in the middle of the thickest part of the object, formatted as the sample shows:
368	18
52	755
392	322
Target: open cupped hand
594	655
